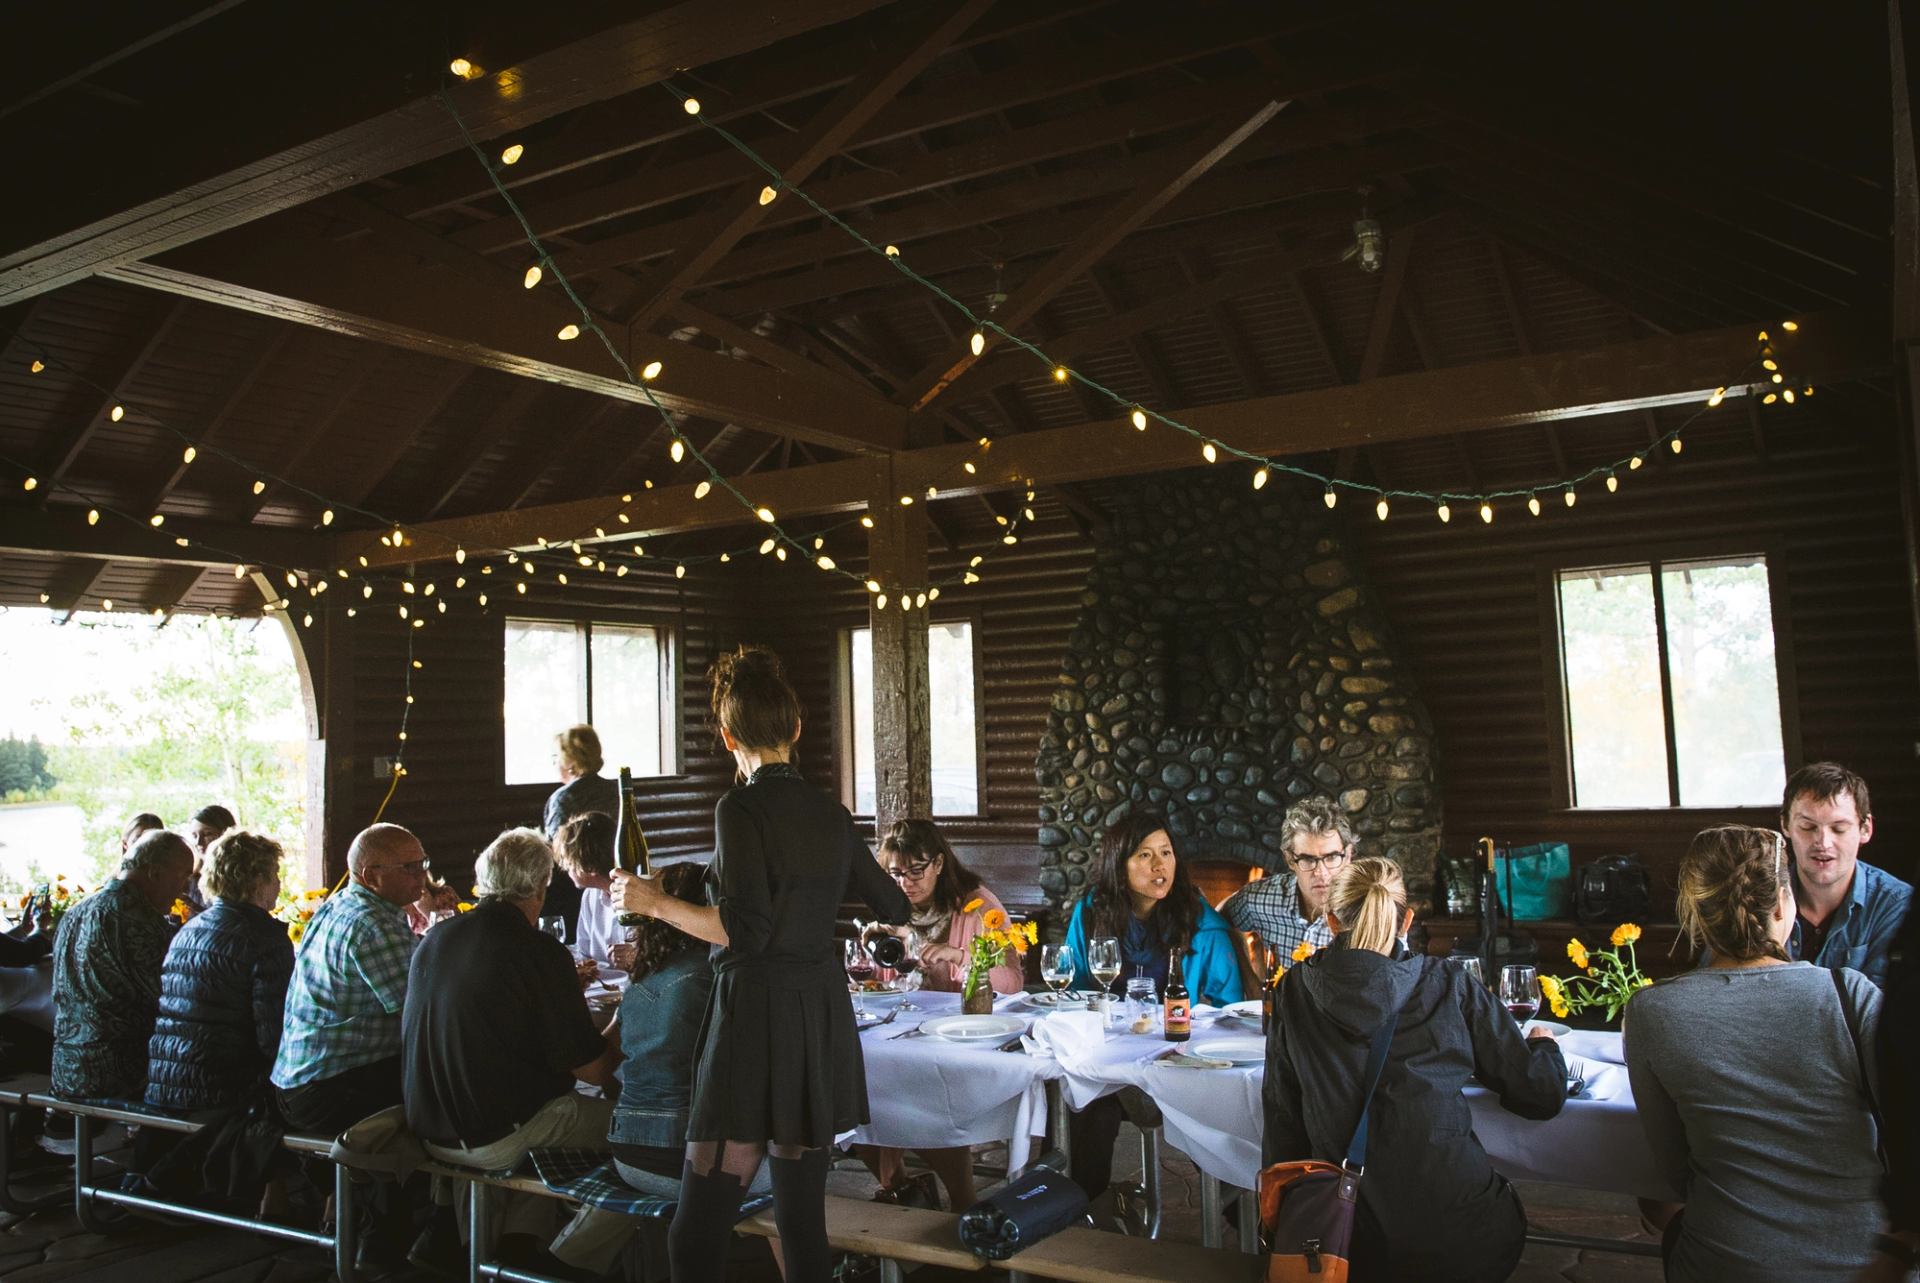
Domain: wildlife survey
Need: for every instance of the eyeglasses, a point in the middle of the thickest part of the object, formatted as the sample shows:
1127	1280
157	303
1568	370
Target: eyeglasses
909	872
1309	863
411	866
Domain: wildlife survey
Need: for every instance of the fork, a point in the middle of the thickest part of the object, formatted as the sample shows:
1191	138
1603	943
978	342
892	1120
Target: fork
914	1032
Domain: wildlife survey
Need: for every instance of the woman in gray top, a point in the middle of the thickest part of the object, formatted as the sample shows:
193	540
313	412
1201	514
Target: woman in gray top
1751	1082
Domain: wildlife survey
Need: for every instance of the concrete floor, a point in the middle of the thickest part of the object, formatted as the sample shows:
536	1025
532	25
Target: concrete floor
50	1245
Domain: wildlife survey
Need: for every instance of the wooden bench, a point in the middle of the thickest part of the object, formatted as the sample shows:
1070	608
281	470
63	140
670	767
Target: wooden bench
1085	1255
892	1234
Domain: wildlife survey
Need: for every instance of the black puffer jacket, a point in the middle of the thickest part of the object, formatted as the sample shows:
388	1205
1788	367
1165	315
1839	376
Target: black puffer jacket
1431	1206
223	994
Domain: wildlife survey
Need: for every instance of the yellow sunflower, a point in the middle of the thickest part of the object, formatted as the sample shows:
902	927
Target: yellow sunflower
1578	952
1625	933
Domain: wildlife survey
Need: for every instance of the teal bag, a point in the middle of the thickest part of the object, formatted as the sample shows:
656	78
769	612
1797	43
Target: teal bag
1536	882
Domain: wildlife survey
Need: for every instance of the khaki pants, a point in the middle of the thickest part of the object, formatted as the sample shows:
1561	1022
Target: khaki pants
593	1239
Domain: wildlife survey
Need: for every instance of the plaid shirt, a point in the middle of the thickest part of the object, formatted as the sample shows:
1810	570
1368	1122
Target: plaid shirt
349	983
1270	909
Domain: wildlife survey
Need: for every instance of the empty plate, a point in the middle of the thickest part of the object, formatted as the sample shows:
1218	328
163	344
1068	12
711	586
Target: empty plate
1248	1010
974	1028
1553	1027
1238	1051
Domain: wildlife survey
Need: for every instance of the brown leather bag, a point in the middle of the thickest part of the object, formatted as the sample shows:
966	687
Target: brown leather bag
1307	1207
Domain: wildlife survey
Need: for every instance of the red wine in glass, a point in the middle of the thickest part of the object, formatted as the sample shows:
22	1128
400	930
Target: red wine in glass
860	969
1522	1011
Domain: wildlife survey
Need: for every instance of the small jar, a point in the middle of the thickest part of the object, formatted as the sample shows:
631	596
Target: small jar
1143	1006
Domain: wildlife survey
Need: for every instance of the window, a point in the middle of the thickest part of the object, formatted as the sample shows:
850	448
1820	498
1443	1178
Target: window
956	724
1672	695
615	677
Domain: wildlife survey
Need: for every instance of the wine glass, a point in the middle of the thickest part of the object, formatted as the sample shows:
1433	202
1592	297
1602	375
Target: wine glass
1471	965
1103	960
555	926
859	971
1520	990
1056	966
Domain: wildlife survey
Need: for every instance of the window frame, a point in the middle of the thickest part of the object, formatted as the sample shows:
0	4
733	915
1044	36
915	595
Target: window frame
1656	554
843	630
668	628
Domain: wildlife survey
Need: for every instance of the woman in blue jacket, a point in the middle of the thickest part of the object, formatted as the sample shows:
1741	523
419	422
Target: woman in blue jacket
1139	893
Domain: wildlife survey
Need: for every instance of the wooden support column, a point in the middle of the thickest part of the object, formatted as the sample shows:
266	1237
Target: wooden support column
902	710
1903	32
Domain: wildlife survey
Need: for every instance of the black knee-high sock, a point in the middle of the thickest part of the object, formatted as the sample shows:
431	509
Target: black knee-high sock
697	1240
800	1213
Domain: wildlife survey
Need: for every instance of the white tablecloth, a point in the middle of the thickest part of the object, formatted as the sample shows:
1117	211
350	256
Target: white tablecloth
1214	1116
928	1092
26	993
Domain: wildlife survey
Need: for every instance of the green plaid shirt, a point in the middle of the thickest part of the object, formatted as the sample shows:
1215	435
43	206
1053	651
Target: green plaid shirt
1270	908
349	983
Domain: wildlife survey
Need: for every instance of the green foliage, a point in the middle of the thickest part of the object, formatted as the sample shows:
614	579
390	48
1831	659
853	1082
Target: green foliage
23	769
187	738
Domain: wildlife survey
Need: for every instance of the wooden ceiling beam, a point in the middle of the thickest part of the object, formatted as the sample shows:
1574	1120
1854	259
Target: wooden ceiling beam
377	287
217	426
1316	324
375	473
1174	169
1668	370
65	454
512	411
909	53
172	589
1386	305
553	451
1226	328
76	585
734	335
1522	332
63	529
310	437
1145	355
194	166
99	46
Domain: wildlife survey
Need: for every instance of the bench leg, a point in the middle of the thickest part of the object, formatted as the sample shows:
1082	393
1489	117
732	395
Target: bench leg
1249	1222
1209	1211
9	1202
890	1271
345	1224
1150	1177
479	1227
1058	1136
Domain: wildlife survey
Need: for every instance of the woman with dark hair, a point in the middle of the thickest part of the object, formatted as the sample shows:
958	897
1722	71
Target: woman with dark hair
950	905
777	1068
1138	892
1754	1078
1432	1207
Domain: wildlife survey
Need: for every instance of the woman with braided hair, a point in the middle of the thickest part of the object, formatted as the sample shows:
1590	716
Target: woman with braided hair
1753	1081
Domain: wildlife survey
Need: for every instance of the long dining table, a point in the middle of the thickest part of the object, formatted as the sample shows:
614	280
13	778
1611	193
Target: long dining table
926	1091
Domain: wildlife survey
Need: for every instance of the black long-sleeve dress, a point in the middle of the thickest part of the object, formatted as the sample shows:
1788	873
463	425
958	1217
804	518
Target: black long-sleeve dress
778	1059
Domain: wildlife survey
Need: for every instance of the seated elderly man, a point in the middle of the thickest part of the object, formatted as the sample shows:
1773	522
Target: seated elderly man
106	972
339	1058
496	1033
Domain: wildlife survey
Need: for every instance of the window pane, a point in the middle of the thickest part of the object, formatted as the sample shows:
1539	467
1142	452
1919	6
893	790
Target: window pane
860	682
1726	700
546	693
956	745
626	697
1616	728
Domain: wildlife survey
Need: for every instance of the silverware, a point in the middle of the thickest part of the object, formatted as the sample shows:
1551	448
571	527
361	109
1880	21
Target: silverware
1014	1043
914	1032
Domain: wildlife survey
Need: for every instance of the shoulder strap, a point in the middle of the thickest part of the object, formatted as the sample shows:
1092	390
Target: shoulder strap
1376	1065
1852	1018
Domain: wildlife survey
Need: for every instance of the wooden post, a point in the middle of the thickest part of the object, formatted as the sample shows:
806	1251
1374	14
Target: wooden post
902	712
1902	32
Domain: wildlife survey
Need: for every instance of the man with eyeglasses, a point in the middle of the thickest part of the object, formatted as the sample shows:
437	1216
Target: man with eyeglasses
1289	906
339	1057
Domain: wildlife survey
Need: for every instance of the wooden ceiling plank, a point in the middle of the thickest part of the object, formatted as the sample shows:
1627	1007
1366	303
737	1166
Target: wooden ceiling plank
1145	355
1386	305
375	288
766	350
217	426
556	451
76	586
1174	170
1226	329
380	469
174	587
66	454
1522	332
830	130
1316	324
509	412
106	48
1830	347
336	126
315	434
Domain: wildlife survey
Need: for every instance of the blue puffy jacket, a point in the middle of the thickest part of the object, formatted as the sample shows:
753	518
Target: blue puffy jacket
223	993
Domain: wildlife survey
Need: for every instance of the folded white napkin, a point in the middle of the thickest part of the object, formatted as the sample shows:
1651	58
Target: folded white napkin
1067	1036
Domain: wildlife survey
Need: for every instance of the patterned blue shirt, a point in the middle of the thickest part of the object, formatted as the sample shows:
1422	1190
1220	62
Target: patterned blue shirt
1860	934
349	983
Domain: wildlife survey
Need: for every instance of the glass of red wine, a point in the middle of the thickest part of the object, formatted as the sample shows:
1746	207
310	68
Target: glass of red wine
859	971
1520	991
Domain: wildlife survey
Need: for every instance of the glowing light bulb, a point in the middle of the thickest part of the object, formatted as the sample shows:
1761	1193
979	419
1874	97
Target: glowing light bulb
36	367
1208	453
702	490
1380	509
483	599
1769	364
462	68
189	454
326	517
932	491
93	516
767	194
824	562
1613	483
893	251
157	520
906	501
651	371
106	603
1060	374
460	556
692	106
1790	326
259	487
873	585
880	602
532	278
678	450
1486	512
1330	498
867	522
978	342
920	600
512	155
31	483
1637	462
1139	420
968	465
1260	479
1677	447
1533	504
118	413
1719	395
781	553
765	514
1446	513
569	332
1769	398
767	546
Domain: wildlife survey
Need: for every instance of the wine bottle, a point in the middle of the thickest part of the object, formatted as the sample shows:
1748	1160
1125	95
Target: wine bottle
887	950
630	841
1177	1008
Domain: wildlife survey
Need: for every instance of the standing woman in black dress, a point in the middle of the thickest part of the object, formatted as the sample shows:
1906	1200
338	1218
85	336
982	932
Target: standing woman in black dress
778	1070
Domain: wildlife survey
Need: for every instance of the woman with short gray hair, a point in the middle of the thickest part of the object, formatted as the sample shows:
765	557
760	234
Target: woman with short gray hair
517	865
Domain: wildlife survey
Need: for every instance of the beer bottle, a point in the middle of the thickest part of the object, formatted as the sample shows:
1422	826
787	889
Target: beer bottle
1177	1011
630	840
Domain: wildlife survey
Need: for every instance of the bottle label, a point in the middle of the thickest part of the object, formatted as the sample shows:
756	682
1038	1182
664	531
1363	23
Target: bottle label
1178	1020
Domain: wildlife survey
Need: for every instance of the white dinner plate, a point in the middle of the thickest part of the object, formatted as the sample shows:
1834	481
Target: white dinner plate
1248	1010
974	1028
1238	1051
1553	1027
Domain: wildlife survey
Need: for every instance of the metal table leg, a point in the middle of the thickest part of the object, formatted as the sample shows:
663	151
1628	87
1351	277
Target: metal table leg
345	1225
1249	1222
1150	1177
1057	1130
1209	1211
479	1226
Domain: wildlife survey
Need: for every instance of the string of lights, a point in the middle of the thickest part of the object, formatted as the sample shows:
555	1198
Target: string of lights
1773	383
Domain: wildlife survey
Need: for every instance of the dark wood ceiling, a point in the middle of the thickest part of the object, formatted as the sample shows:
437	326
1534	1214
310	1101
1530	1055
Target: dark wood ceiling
1549	181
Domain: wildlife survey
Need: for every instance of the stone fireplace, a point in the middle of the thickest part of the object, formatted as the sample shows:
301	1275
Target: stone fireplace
1229	660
